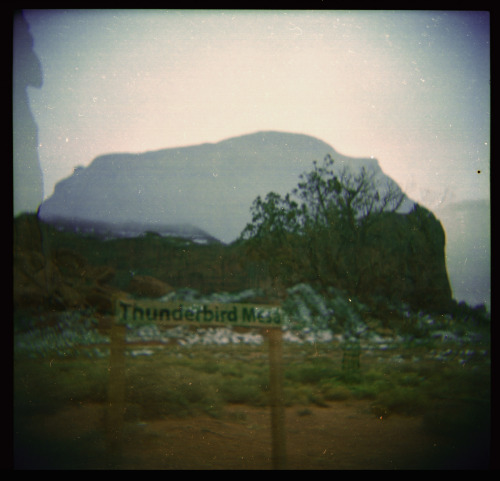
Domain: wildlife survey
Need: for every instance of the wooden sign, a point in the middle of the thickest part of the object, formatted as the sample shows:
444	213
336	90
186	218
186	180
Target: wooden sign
197	314
133	312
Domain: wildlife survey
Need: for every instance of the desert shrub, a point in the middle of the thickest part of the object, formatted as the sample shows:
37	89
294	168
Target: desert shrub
312	372
350	378
333	391
458	383
48	386
403	400
170	390
209	367
297	394
231	369
364	391
411	379
248	389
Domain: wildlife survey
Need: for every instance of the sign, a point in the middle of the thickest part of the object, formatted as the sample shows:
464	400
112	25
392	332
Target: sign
134	312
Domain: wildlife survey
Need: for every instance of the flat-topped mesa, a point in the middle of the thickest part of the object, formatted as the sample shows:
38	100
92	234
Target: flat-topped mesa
209	186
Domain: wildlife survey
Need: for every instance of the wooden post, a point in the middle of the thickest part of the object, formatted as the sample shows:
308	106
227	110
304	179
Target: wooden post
277	399
116	391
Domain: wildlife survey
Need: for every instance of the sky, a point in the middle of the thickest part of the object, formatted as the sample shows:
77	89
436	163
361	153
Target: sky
410	88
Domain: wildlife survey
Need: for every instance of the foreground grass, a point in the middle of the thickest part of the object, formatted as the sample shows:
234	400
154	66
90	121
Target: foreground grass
452	397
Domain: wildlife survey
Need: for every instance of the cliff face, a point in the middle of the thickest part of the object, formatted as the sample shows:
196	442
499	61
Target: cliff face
403	258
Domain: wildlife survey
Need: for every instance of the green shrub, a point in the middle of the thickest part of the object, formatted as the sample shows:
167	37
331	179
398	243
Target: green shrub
313	372
333	391
247	389
403	400
49	385
298	395
172	390
364	391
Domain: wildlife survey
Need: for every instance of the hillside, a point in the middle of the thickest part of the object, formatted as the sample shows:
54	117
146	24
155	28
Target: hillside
61	269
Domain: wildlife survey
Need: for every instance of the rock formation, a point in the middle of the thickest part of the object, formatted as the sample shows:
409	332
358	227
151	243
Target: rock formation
209	186
403	259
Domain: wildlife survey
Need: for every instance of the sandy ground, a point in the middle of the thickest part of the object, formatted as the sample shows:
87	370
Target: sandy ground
343	435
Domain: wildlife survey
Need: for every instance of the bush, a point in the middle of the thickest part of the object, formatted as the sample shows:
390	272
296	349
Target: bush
48	386
332	391
301	395
173	391
314	372
403	400
246	390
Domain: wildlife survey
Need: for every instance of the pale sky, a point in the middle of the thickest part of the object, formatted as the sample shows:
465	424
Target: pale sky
410	88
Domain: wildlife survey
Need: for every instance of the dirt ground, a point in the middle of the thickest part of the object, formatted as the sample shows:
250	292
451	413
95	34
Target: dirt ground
344	435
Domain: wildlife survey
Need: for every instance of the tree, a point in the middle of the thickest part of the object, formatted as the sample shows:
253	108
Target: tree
272	236
315	233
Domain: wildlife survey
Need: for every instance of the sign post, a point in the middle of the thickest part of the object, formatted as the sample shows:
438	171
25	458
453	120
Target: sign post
137	312
116	391
277	399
